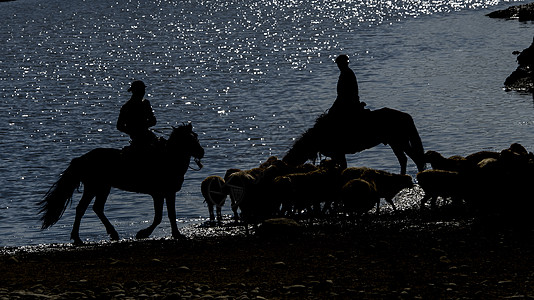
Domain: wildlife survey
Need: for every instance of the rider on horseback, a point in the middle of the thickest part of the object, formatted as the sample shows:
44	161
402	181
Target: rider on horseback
348	100
136	117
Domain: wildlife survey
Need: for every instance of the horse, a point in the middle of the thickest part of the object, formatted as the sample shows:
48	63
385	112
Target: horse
157	172
334	138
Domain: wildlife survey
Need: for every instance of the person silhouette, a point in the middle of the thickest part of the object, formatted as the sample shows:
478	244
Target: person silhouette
348	98
136	117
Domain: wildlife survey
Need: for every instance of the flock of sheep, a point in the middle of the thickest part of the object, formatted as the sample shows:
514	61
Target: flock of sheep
484	182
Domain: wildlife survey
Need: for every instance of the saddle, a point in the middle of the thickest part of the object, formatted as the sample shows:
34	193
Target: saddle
142	151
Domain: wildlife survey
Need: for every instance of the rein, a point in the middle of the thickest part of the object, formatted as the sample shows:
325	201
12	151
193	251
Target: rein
199	164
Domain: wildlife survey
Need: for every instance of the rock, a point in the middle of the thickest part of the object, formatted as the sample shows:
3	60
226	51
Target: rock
28	295
183	269
279	227
522	79
296	288
523	12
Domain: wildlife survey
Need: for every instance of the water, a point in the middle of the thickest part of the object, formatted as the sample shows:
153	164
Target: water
250	75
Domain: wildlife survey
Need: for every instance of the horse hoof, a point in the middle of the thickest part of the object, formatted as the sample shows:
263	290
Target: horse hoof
114	236
179	237
77	242
142	234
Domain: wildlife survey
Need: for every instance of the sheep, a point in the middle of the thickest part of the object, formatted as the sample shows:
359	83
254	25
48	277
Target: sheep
353	173
436	183
516	156
477	157
251	191
453	163
359	196
212	190
388	185
238	185
306	191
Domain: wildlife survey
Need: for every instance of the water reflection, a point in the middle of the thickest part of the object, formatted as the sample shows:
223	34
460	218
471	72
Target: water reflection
250	75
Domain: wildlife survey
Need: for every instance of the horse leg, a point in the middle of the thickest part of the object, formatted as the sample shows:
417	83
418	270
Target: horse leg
234	206
171	212
401	157
416	157
87	196
98	208
158	212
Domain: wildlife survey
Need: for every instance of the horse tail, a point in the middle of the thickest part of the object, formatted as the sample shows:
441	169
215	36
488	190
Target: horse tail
416	145
59	196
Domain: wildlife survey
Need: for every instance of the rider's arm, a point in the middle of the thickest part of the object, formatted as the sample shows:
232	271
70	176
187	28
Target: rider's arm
151	118
121	124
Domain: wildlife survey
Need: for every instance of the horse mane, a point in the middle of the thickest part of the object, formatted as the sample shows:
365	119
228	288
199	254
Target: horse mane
179	131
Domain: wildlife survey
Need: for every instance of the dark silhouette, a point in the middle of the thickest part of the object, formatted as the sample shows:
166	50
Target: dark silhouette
522	79
136	117
348	98
525	58
523	13
386	125
160	176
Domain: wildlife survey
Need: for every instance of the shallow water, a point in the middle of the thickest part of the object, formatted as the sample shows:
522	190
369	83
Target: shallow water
250	75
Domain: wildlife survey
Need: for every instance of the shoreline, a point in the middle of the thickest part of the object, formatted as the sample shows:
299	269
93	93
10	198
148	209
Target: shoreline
394	255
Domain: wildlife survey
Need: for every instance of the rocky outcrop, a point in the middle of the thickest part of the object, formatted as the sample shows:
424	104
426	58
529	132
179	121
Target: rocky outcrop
523	12
522	79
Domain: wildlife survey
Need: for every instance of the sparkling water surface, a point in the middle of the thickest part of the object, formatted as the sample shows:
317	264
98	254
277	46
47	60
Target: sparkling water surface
250	76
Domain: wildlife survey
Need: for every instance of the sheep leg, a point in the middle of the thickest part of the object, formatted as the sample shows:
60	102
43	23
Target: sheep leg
424	200
219	214
390	201
236	215
210	209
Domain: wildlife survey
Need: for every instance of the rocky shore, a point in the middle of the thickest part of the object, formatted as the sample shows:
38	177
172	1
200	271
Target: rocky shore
522	79
406	255
524	12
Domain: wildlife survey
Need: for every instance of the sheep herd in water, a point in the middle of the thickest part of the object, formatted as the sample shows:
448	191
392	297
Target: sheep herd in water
485	184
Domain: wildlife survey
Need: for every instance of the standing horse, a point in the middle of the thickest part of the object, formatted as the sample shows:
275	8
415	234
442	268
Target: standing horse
159	173
335	138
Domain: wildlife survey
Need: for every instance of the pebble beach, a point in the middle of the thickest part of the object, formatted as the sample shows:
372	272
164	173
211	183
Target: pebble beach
394	255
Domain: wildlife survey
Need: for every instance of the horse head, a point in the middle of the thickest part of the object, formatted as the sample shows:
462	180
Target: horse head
303	149
185	140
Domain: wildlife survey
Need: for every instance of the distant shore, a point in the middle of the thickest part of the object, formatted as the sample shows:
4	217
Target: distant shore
387	257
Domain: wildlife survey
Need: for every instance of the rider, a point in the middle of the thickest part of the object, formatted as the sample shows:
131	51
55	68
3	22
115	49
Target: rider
136	117
348	100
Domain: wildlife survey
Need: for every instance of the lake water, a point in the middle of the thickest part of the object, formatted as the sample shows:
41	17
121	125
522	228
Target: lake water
251	75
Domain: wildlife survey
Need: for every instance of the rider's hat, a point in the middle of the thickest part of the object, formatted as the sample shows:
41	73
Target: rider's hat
136	85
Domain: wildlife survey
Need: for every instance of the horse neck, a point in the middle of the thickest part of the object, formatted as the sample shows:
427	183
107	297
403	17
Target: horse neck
303	149
178	158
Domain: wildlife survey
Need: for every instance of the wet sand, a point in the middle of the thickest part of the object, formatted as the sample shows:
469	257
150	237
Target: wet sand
391	256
